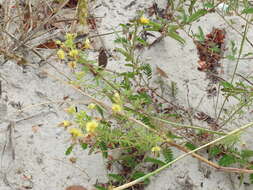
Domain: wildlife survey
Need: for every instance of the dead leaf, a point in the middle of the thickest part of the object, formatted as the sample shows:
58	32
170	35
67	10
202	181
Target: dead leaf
202	65
48	45
92	23
161	72
102	58
73	160
35	128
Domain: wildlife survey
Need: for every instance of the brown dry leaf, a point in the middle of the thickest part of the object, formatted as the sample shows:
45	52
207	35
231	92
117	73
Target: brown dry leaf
202	65
35	128
161	72
92	23
73	160
76	187
48	45
102	58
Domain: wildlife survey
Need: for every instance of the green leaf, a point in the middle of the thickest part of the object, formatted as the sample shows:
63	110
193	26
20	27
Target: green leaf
215	151
248	54
154	161
170	134
190	146
168	155
226	84
209	5
103	148
247	153
147	70
175	36
196	15
69	150
100	187
129	161
251	175
100	110
137	175
121	40
116	177
201	35
227	160
84	146
251	178
248	10
125	53
192	6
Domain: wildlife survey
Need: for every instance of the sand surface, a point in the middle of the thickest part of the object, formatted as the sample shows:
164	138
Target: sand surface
39	144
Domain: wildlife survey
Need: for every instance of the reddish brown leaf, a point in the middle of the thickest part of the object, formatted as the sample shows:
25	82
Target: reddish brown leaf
92	23
48	45
102	58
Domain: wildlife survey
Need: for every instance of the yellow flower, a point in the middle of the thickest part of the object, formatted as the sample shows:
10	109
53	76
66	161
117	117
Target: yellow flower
87	44
76	132
61	54
71	110
144	20
58	42
72	64
91	106
116	97
116	108
91	126
70	36
65	123
73	53
156	149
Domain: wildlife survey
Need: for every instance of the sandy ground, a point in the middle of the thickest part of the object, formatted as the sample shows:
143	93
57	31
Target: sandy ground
40	162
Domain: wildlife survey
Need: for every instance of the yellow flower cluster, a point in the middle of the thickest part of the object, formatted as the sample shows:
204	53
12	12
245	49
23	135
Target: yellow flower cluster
87	44
92	106
91	126
73	53
144	20
116	97
75	132
65	123
72	64
71	110
156	149
70	36
61	54
116	108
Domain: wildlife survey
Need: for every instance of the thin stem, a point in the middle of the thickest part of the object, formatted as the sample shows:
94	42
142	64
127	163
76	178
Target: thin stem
236	111
188	126
237	63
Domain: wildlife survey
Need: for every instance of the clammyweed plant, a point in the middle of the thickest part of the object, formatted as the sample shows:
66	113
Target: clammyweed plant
127	118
